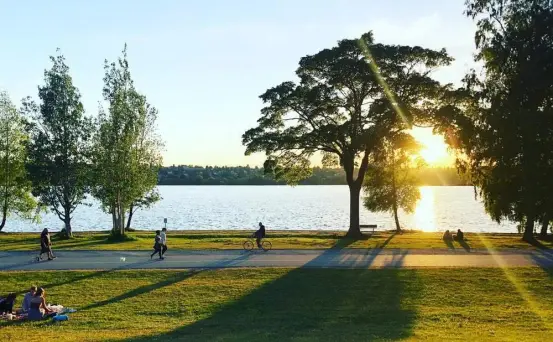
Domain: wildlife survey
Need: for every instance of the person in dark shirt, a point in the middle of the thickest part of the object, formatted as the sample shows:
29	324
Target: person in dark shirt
460	236
157	245
46	245
6	304
259	234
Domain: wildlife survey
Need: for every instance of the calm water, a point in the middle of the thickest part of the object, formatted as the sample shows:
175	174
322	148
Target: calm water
281	207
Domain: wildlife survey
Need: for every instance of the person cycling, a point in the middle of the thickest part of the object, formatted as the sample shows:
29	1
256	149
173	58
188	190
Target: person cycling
259	234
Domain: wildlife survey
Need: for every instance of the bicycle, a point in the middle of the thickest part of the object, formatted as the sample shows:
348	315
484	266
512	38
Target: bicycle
250	243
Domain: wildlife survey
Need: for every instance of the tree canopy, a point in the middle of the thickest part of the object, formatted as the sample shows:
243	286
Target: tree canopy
347	99
127	149
59	147
502	120
15	187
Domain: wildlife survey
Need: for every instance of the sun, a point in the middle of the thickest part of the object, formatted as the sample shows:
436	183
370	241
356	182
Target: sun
434	150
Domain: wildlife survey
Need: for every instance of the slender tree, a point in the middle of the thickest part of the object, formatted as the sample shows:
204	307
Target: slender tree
391	182
15	187
347	99
60	143
127	153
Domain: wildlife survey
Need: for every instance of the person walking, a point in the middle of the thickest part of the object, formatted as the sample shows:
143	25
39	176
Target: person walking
46	245
157	245
163	241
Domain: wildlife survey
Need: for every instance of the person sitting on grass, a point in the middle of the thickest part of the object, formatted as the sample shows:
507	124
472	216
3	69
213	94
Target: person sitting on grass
157	245
460	236
6	303
26	306
447	237
259	234
38	308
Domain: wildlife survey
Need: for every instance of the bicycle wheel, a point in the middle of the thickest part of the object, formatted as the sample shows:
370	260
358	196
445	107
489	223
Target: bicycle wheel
248	245
266	245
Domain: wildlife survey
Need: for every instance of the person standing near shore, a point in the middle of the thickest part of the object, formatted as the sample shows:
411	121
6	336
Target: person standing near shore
163	241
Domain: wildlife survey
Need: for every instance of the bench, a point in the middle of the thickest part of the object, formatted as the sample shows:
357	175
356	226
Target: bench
366	227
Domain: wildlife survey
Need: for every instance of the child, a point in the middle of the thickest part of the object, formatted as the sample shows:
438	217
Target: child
157	245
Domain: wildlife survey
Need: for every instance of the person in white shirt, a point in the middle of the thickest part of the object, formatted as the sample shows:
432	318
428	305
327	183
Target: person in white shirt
163	241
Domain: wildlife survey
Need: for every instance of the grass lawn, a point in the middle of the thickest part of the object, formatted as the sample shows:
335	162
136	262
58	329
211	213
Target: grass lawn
291	304
279	239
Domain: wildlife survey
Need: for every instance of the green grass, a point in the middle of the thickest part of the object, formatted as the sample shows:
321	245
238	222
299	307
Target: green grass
279	239
291	304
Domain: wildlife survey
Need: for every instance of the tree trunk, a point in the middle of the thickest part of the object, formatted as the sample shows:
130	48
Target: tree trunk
398	226
129	220
544	226
354	230
528	235
4	216
67	222
130	217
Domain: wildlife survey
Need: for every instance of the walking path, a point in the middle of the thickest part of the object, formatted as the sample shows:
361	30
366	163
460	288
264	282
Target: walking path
345	258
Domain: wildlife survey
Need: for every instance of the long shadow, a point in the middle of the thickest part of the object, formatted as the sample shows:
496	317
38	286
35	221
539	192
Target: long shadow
449	244
143	289
316	304
537	243
385	243
464	244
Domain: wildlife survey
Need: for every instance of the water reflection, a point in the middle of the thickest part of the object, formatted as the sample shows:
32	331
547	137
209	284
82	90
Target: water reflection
425	215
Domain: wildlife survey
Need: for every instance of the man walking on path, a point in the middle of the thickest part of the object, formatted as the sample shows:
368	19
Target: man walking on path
163	241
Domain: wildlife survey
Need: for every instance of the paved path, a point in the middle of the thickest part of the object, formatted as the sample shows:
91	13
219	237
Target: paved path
346	258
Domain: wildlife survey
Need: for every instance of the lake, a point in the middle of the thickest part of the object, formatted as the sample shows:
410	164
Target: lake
280	207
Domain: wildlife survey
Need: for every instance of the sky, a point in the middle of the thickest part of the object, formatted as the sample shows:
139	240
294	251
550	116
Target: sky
203	64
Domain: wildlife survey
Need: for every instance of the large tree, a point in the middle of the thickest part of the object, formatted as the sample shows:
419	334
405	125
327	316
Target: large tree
15	187
60	143
391	182
127	149
346	100
503	120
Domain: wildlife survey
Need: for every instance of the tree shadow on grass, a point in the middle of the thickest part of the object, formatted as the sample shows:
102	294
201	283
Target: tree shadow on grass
143	289
538	244
544	259
308	304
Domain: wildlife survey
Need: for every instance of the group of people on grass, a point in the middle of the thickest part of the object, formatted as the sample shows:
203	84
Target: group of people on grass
459	237
33	307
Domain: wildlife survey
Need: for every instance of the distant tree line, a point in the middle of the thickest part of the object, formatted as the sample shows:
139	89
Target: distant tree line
246	175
